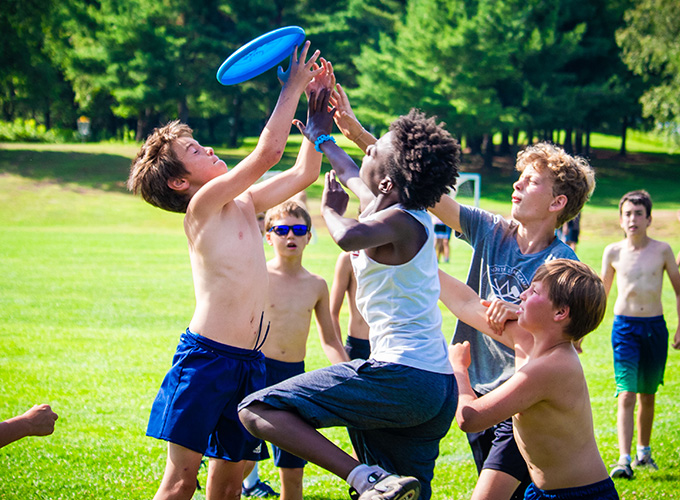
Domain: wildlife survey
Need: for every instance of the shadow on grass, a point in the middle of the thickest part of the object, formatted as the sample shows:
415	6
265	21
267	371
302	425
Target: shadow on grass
101	171
98	171
657	173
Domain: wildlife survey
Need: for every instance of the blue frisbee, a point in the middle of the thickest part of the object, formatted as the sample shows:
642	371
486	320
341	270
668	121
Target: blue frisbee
260	54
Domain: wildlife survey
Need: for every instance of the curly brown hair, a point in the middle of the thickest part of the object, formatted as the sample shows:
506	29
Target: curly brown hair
572	175
155	164
426	160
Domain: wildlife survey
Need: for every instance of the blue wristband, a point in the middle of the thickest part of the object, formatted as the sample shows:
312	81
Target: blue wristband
321	139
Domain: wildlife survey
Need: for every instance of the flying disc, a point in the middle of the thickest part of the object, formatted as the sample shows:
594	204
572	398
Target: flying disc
260	54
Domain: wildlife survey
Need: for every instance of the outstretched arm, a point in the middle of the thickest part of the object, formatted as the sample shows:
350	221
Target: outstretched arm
210	198
347	121
308	164
38	421
467	306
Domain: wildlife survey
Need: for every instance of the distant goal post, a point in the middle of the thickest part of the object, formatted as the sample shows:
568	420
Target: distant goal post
464	189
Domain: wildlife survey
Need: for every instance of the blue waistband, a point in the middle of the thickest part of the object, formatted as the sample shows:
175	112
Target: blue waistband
641	319
220	348
286	365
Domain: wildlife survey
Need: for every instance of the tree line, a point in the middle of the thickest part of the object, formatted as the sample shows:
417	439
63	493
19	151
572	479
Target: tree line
514	69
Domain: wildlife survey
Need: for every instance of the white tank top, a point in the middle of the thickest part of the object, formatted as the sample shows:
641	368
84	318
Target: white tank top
400	305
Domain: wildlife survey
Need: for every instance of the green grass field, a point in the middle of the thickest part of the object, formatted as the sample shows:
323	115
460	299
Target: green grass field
96	288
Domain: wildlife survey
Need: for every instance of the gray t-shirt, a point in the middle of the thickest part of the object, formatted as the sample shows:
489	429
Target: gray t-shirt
498	269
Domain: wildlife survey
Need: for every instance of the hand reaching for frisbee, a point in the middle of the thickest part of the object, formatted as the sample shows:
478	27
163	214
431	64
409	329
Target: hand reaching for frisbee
300	71
319	115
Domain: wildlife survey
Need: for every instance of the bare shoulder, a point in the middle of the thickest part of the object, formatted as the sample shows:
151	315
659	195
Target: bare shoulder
319	283
613	248
660	246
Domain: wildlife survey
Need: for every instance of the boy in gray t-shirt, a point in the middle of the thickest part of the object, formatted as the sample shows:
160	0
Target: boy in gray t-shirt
552	188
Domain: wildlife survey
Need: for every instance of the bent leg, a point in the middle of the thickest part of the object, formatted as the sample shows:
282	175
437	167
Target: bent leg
290	432
179	478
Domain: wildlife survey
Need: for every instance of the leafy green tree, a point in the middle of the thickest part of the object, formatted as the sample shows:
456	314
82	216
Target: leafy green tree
650	44
30	86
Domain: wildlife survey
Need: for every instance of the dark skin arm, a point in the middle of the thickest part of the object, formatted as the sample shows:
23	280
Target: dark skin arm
393	237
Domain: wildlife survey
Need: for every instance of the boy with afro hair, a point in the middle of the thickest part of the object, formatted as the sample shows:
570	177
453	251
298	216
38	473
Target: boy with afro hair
395	426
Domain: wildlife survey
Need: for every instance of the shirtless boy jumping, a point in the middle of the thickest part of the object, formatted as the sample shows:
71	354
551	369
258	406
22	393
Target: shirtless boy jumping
218	359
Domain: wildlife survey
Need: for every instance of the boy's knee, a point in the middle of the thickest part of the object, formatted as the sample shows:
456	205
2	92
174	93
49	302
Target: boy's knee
250	417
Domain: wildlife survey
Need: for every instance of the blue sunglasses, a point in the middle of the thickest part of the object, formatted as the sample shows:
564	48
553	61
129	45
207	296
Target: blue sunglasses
282	230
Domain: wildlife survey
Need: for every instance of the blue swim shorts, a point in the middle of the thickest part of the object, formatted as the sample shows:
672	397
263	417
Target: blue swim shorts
196	406
278	371
602	490
495	448
357	348
640	350
392	421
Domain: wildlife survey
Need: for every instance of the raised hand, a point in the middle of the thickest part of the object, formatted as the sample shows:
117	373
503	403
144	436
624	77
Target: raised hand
324	80
300	72
459	356
334	196
319	116
498	313
344	117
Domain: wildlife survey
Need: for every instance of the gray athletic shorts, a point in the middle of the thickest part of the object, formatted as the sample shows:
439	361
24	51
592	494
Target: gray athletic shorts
396	415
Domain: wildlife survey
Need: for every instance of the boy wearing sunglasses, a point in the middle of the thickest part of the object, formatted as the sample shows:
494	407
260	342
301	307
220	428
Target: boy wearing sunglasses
218	359
400	402
294	293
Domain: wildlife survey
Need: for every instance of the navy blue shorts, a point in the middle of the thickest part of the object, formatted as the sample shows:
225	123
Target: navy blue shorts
602	490
640	348
357	348
392	421
278	371
196	406
496	449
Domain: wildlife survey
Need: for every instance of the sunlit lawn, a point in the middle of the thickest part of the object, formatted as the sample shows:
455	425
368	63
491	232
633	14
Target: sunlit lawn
96	288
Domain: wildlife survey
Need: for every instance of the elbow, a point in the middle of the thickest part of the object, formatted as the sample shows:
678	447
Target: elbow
465	418
270	156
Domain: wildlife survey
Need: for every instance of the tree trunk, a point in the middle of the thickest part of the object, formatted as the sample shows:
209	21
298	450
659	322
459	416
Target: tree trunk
488	152
235	121
183	110
475	144
568	145
515	142
624	130
578	144
587	151
504	149
530	136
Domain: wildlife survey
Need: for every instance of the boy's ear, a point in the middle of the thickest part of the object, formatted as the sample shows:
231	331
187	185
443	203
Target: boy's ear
178	183
561	313
386	185
268	237
558	203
